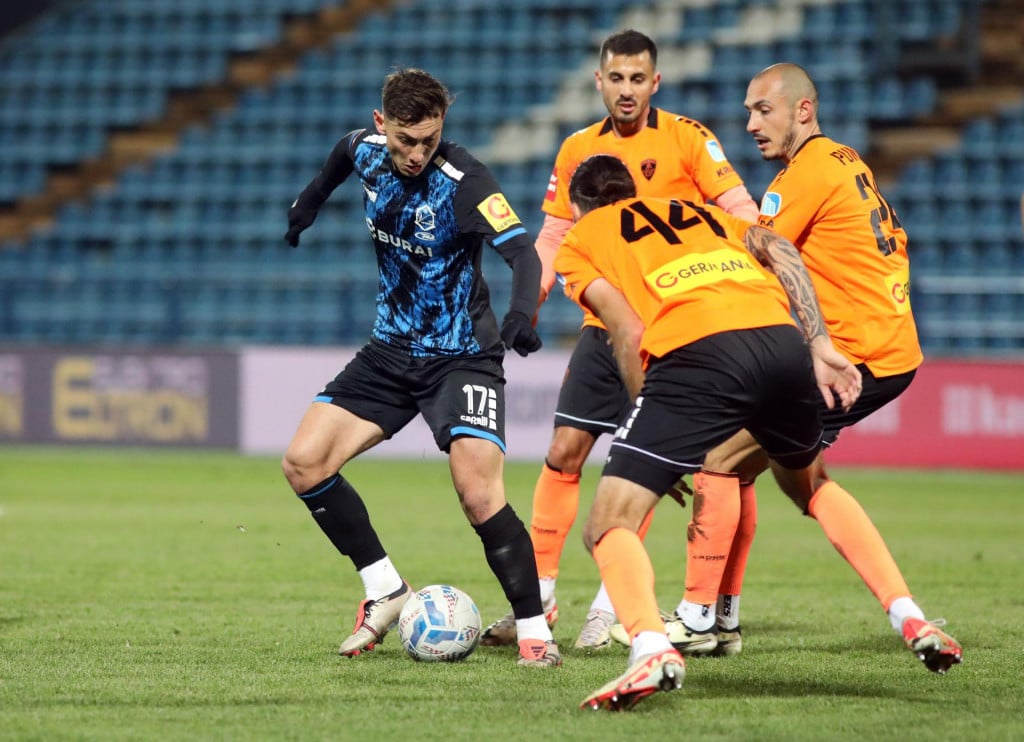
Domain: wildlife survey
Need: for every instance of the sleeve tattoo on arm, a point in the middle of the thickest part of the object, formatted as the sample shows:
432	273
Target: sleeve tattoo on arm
781	257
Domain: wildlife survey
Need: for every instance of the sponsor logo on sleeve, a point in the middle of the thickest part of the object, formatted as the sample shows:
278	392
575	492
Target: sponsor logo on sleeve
771	204
715	150
552	187
497	212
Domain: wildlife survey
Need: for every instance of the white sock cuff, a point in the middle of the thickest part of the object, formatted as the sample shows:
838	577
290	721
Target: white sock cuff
602	601
900	610
535	627
380	578
648	642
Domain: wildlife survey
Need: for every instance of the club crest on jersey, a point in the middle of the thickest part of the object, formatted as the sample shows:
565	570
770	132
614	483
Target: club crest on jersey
715	150
497	212
771	204
425	223
647	167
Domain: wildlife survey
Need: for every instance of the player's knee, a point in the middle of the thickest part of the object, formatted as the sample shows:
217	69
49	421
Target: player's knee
591	535
479	505
294	474
751	466
569	449
739	455
301	470
799	485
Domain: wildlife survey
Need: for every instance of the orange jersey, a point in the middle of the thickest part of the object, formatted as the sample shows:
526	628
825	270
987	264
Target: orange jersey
683	268
672	157
826	202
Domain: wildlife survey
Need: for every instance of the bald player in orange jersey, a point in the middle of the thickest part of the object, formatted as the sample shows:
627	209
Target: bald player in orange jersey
827	203
698	305
669	156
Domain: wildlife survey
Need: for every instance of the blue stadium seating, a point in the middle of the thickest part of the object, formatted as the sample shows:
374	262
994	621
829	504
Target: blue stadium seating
89	68
187	248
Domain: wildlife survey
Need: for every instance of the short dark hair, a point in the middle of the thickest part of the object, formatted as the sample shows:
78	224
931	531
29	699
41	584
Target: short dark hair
630	43
600	180
411	95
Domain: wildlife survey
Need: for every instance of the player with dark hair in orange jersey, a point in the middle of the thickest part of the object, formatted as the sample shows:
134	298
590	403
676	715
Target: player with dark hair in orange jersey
827	203
699	306
669	156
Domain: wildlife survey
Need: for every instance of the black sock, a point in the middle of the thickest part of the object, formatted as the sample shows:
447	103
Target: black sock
339	511
509	553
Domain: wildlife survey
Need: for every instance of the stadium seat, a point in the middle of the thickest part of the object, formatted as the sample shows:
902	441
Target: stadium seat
199	228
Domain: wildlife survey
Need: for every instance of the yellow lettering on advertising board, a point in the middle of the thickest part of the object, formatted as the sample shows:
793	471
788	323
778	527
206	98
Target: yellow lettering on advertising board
81	411
12	410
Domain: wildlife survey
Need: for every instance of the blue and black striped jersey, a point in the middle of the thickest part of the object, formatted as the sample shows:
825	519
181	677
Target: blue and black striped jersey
428	232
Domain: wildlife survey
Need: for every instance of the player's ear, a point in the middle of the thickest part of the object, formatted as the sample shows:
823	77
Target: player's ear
805	110
597	79
657	82
378	121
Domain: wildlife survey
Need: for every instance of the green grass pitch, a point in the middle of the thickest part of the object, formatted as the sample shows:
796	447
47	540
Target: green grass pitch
188	595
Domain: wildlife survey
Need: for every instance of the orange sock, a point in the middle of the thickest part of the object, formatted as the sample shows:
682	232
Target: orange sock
556	498
853	534
629	579
716	512
736	566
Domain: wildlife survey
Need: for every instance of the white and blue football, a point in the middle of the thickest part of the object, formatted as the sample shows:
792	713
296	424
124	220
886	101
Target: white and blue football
439	623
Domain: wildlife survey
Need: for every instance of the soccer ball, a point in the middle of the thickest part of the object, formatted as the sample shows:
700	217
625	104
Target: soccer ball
439	623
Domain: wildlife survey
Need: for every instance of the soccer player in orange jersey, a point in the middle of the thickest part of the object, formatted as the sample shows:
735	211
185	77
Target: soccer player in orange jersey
669	156
827	203
698	306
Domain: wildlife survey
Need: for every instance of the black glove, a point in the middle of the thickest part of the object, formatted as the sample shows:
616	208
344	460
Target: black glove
517	334
298	220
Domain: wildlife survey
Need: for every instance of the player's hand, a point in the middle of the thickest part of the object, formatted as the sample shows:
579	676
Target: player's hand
298	220
679	490
542	297
517	334
835	374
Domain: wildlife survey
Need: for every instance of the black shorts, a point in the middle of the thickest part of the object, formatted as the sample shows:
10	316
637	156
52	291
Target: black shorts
875	395
457	395
700	395
593	397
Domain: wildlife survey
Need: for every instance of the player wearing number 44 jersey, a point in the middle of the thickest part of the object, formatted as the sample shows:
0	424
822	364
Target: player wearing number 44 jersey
670	156
826	202
436	350
703	336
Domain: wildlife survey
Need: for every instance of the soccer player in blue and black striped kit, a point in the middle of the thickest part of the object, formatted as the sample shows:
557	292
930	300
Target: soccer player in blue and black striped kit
436	349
